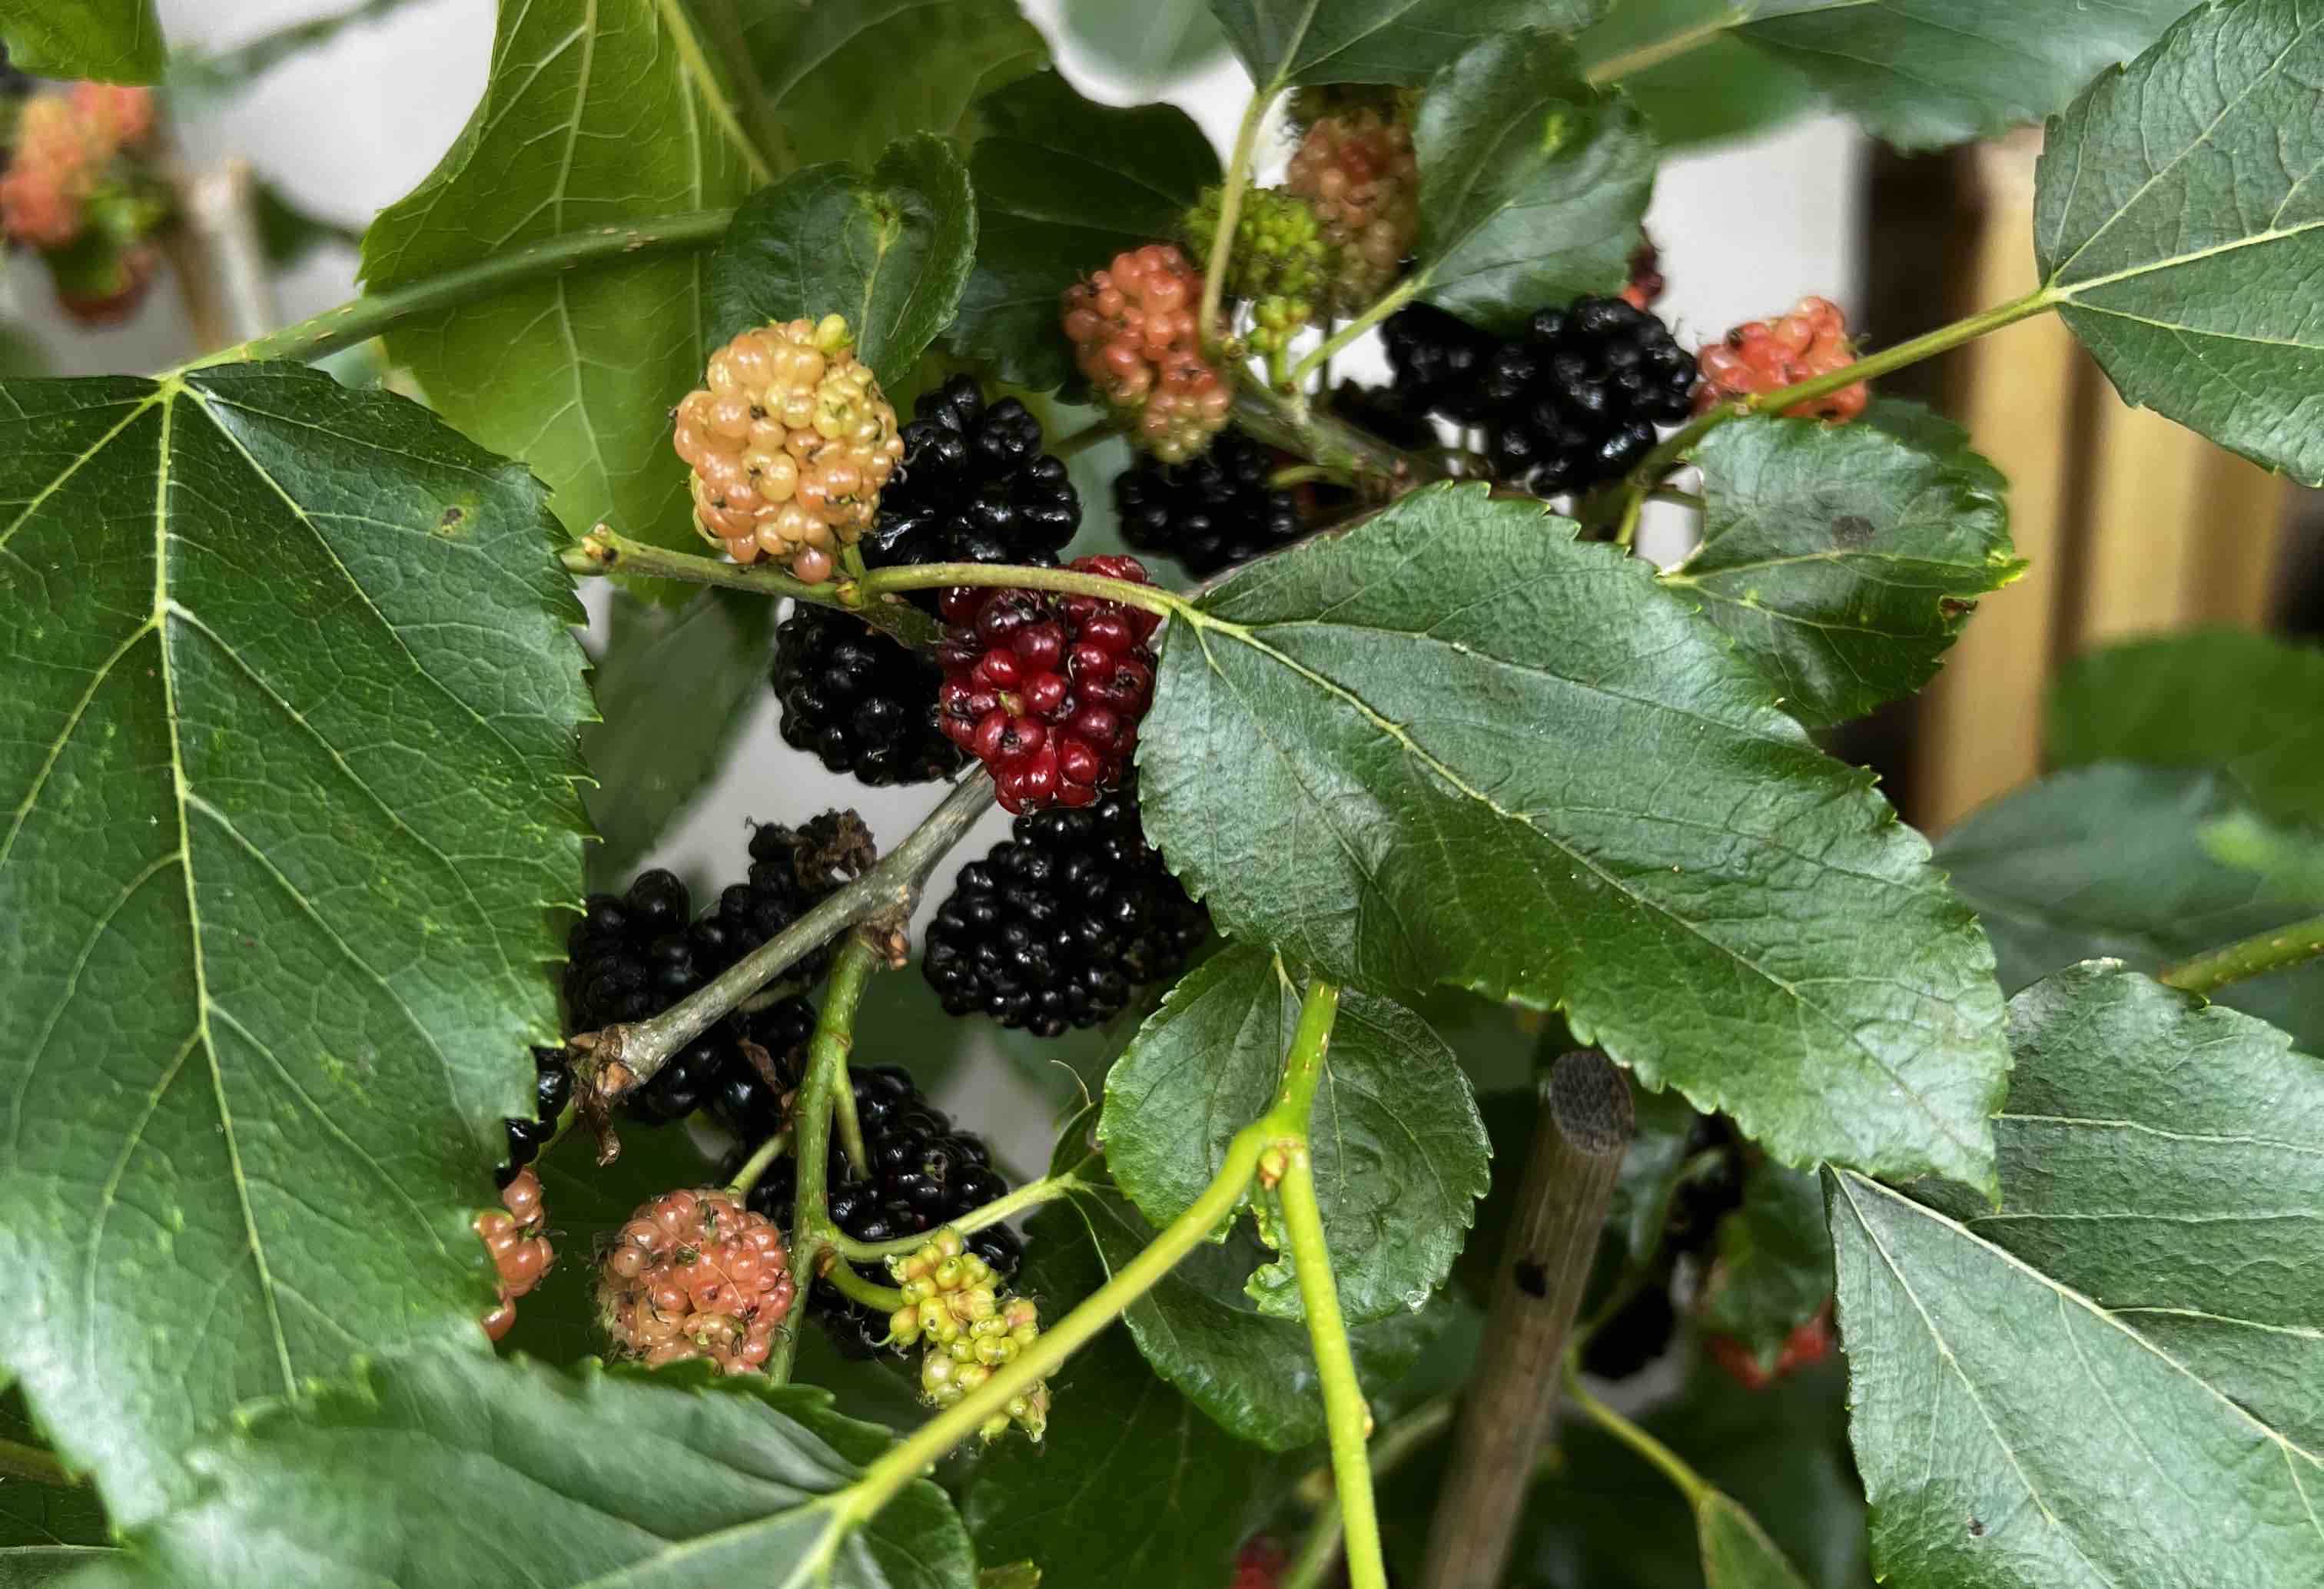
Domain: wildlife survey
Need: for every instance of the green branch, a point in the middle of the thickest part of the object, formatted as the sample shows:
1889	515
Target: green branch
933	577
908	1459
826	1074
1287	420
1238	177
2257	956
363	319
606	551
1401	294
1417	1431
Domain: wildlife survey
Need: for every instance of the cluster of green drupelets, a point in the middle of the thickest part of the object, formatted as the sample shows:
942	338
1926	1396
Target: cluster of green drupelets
951	1303
1279	260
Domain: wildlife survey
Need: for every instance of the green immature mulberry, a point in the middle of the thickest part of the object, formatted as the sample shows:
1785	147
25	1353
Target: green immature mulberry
1280	261
951	1303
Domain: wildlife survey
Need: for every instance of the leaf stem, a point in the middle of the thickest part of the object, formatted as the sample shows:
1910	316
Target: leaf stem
1395	299
905	1461
363	319
20	1461
2255	956
1689	1482
1346	1417
1668	453
605	551
1032	1194
1301	473
1303	1068
627	1056
1238	177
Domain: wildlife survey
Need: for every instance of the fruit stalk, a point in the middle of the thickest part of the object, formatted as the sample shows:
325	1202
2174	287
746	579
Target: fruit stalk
606	551
826	1076
1579	1139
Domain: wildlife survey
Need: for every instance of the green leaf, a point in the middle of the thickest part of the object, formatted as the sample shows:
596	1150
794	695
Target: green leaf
2114	861
593	121
2290	860
112	41
2251	706
1536	181
46	1530
1062	185
1773	1268
1289	43
848	78
1925	73
287	752
1399	1150
2112	1380
1254	1375
673	690
1456	745
459	1472
2177	229
1843	560
1736	1553
1121	1433
1143	44
1696	84
891	252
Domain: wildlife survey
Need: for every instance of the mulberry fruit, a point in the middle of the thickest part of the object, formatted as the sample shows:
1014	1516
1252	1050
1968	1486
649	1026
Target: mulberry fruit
1047	688
1357	169
1061	922
1135	339
694	1274
1646	284
1210	512
51	171
1575	399
520	1253
974	487
552	1091
632	956
862	703
1279	260
1761	356
1438	361
923	1172
951	1303
791	442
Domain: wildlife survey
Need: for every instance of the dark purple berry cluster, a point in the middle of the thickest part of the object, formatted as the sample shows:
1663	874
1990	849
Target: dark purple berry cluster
861	702
1213	511
1062	922
973	486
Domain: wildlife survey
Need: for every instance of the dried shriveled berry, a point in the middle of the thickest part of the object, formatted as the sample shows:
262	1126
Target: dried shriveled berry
1047	688
1767	355
791	444
1133	327
696	1274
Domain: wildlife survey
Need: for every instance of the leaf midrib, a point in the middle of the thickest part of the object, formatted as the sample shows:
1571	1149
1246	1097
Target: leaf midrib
1396	731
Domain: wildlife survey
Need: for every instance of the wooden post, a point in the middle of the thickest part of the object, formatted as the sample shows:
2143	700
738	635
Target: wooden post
1585	1125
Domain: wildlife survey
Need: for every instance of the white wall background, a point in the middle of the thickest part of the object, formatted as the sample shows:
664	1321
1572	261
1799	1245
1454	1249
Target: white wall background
346	129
